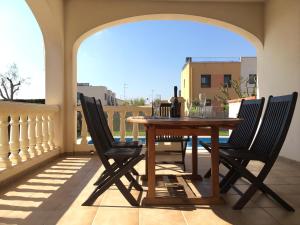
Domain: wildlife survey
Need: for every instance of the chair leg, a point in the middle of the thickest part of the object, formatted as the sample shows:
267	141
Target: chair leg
225	183
246	197
126	193
115	179
134	182
208	173
270	192
183	154
134	172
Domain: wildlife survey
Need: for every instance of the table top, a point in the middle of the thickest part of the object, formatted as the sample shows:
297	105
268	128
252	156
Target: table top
185	121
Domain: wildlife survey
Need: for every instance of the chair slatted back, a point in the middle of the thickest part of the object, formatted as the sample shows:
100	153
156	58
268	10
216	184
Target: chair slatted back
250	111
165	109
95	129
275	125
104	121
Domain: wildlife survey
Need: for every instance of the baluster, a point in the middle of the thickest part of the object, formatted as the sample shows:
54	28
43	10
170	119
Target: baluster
122	126
32	134
110	120
4	147
45	132
84	132
51	132
24	137
14	144
135	128
39	134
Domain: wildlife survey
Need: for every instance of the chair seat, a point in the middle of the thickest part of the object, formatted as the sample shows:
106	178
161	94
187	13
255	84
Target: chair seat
122	153
244	154
134	144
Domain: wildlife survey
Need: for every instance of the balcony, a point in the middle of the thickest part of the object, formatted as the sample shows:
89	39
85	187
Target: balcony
53	194
43	177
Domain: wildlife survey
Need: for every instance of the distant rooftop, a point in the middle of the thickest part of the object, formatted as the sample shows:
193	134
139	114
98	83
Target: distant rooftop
212	59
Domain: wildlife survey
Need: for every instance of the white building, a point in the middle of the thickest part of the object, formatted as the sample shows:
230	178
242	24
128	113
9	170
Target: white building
248	74
106	96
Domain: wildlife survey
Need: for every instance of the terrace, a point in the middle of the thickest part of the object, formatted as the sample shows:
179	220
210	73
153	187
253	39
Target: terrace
47	173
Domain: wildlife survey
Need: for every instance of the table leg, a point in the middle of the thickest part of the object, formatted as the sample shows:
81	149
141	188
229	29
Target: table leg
194	156
146	155
151	162
215	161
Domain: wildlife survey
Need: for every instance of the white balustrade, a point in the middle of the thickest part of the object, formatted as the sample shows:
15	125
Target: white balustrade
14	139
46	146
135	128
4	146
111	110
26	131
122	126
32	135
51	131
24	142
39	134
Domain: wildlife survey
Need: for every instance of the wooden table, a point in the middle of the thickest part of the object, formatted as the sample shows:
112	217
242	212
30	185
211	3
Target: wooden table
184	126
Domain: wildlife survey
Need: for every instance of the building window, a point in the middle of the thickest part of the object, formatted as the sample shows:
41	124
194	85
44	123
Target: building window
105	96
183	83
205	80
208	102
227	80
252	79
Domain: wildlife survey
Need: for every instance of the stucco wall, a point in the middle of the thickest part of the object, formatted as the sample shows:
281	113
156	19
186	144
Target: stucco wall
281	61
217	70
50	17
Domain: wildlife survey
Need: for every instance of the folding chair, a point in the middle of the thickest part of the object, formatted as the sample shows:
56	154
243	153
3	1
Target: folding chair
164	111
109	136
265	148
124	158
241	137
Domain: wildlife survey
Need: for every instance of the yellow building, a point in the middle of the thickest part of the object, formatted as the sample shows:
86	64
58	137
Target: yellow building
207	77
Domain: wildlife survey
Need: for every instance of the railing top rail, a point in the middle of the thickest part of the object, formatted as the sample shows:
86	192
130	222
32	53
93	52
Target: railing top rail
8	107
122	108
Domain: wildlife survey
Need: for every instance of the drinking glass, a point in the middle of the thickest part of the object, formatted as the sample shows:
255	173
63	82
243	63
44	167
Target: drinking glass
202	103
156	105
189	107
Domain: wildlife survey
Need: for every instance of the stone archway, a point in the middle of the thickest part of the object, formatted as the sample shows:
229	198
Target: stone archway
247	35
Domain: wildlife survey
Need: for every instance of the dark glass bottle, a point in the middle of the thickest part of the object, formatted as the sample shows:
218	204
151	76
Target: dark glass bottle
175	106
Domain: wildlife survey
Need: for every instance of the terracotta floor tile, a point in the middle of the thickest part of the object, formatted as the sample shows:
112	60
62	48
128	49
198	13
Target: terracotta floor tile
154	216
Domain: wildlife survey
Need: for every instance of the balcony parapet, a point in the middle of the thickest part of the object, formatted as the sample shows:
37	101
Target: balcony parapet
26	136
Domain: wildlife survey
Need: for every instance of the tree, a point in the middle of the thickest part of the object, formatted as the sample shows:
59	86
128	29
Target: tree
10	82
223	96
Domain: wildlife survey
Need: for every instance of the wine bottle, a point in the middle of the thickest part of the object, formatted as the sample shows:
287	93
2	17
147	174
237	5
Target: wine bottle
175	106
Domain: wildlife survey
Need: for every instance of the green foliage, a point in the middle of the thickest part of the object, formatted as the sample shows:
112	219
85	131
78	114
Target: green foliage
223	96
135	102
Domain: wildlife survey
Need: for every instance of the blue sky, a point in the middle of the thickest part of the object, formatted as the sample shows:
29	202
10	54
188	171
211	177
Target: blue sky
21	42
148	56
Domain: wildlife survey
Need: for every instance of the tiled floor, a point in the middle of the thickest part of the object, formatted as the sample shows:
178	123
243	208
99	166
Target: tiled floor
53	195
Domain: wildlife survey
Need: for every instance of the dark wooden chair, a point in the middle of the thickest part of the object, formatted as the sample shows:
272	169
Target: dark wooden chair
250	111
164	111
265	148
108	134
124	159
